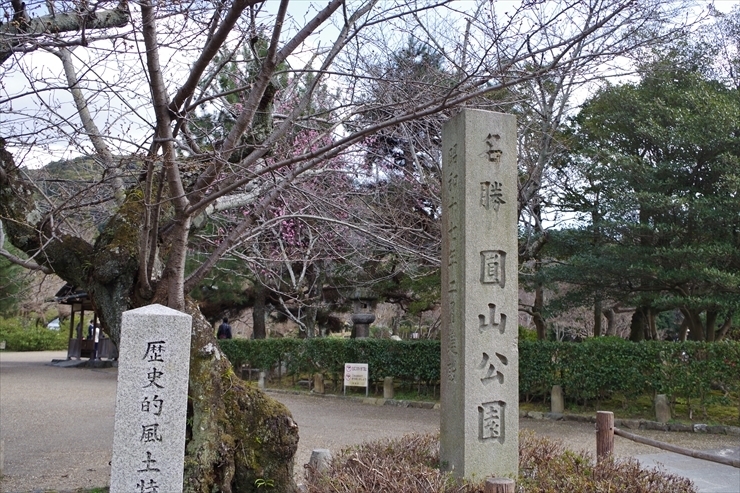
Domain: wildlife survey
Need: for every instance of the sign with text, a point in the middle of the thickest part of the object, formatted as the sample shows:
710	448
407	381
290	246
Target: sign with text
479	404
151	401
356	375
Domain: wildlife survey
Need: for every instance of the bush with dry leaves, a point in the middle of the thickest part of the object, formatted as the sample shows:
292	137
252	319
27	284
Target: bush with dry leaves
411	465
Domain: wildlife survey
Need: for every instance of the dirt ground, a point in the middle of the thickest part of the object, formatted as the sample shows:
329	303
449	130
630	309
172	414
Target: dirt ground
56	425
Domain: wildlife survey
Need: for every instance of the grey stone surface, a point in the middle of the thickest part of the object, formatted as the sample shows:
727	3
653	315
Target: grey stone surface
630	424
388	391
320	460
716	429
480	395
557	402
318	383
680	427
700	428
662	409
151	401
653	425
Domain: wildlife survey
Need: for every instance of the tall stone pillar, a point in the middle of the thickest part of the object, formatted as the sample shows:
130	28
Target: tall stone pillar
480	367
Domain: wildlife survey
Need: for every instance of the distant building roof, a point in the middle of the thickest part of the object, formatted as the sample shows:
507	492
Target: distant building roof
70	294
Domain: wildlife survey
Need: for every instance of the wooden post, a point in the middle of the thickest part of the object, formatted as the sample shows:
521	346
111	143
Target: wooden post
500	485
604	434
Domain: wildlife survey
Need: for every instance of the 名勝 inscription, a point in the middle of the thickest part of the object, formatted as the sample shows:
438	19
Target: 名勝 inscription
493	152
491	420
492	267
491	195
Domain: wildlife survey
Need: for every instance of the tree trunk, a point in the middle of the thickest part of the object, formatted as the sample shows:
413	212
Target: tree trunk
637	325
309	318
597	318
611	322
239	439
539	320
724	329
652	328
259	330
315	297
683	331
695	326
711	325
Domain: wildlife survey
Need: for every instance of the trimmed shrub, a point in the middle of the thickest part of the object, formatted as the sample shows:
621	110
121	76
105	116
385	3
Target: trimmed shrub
593	370
411	465
23	336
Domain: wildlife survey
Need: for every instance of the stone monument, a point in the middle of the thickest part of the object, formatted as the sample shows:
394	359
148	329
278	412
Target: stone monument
364	302
662	408
480	367
151	401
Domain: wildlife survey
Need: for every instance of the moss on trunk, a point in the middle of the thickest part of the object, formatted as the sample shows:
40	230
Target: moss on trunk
239	439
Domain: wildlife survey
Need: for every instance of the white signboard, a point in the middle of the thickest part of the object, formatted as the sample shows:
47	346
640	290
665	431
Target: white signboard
355	375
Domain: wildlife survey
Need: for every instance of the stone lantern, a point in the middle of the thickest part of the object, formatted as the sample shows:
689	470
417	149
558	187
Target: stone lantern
364	302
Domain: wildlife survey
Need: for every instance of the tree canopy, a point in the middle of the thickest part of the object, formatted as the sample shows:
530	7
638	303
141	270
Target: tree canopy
654	180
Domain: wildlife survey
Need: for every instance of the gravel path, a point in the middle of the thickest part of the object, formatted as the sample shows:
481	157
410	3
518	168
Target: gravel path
56	425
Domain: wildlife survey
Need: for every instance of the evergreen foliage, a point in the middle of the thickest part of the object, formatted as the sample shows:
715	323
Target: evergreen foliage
654	181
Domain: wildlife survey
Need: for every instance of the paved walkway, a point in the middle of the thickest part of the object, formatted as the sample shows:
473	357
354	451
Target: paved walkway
56	425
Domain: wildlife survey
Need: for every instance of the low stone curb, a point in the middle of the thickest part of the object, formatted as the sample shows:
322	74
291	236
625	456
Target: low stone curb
84	363
638	424
629	424
373	401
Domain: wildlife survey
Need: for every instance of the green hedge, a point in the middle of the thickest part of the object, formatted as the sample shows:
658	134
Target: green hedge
403	360
600	368
589	371
20	335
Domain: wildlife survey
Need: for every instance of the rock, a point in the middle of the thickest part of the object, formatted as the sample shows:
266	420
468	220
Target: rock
557	402
662	408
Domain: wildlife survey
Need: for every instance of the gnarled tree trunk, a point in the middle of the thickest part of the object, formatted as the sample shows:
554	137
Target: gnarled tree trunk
238	438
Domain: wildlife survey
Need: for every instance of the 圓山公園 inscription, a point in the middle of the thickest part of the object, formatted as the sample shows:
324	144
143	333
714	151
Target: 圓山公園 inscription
491	421
493	267
484	325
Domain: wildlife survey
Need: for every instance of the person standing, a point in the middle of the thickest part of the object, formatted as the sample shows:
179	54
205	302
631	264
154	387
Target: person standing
224	330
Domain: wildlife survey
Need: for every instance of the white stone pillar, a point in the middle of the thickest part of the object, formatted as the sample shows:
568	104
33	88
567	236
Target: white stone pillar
480	372
151	401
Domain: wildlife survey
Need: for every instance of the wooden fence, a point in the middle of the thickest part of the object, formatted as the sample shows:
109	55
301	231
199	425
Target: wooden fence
605	432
